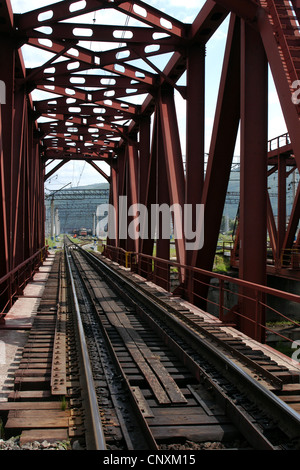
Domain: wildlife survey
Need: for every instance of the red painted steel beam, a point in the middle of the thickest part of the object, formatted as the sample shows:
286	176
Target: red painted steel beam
144	149
174	165
7	17
195	130
144	162
246	9
106	33
162	196
200	31
223	141
115	203
19	156
59	11
7	74
148	194
280	79
133	165
207	22
121	168
152	16
4	265
253	174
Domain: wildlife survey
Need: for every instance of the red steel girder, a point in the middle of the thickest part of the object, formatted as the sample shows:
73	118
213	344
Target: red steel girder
246	9
222	146
151	16
195	130
56	12
120	132
105	33
174	165
253	199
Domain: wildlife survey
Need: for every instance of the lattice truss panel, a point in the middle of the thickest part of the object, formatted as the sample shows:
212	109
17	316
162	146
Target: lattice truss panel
93	71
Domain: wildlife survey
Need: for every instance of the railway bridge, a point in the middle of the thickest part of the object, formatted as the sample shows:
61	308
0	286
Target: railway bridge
107	91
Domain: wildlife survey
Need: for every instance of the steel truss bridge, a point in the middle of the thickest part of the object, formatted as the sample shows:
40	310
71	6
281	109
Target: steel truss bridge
116	104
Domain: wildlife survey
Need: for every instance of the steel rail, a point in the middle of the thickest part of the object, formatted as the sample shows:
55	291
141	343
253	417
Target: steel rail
146	432
95	438
272	404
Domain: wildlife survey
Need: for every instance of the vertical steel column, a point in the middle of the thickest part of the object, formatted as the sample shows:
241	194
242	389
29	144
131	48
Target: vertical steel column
7	57
223	141
144	144
195	130
161	271
133	164
149	173
4	265
19	154
253	199
174	164
281	204
143	170
115	203
121	191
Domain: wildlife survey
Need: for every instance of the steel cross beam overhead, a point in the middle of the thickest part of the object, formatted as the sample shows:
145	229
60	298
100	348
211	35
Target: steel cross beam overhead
103	86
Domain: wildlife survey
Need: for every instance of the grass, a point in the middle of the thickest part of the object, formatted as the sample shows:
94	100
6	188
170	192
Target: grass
280	324
63	405
51	243
221	264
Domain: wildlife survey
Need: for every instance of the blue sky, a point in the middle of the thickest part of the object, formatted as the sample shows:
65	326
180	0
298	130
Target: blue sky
81	174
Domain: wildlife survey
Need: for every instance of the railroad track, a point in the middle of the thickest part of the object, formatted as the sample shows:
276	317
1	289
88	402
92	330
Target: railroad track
166	380
46	403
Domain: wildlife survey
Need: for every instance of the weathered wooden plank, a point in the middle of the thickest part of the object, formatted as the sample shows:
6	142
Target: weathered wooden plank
27	405
295	406
38	349
34	364
174	419
36	423
30	395
31	382
33	372
142	403
140	352
196	433
290	398
40	414
49	435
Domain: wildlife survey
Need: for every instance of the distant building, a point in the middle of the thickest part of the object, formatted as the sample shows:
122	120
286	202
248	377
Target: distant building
77	207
